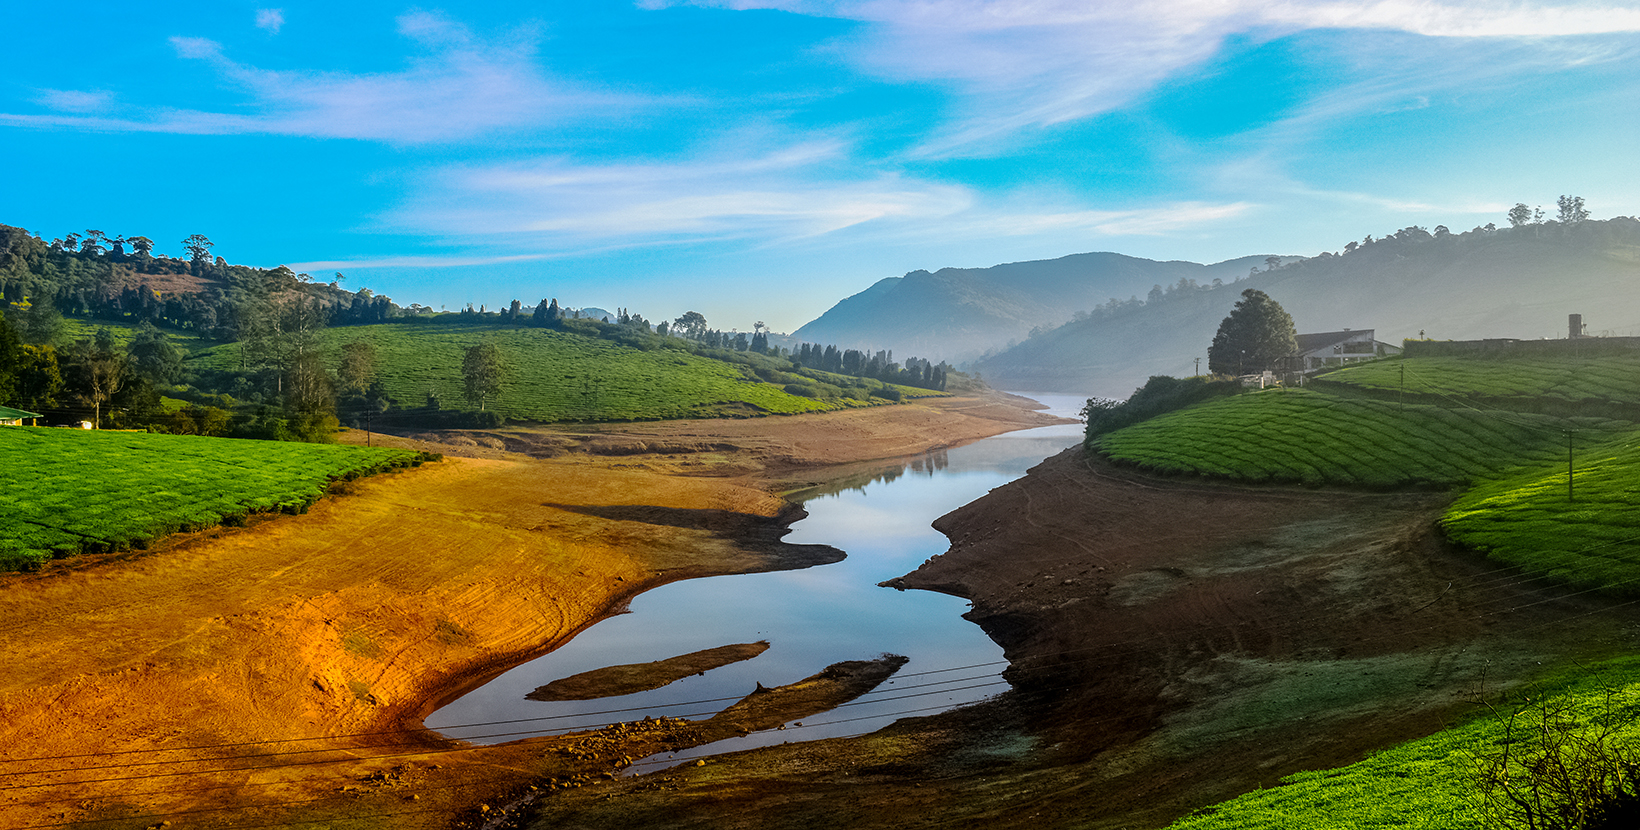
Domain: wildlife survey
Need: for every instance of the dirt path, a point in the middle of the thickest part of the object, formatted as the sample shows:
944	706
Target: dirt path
278	673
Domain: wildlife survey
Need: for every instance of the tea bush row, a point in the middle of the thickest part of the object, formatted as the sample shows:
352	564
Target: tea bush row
1589	537
64	492
1570	378
1305	436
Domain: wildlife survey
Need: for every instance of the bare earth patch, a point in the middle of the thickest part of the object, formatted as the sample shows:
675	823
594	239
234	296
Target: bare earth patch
279	673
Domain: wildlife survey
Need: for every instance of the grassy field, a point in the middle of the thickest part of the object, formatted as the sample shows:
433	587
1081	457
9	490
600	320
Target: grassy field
1302	435
75	328
64	492
1588	539
1604	378
559	376
1432	782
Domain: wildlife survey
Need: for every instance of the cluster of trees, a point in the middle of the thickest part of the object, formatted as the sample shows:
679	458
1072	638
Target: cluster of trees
94	276
1571	212
692	326
41	370
879	365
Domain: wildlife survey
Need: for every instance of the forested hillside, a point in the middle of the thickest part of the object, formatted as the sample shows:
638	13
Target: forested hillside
957	314
101	330
1512	282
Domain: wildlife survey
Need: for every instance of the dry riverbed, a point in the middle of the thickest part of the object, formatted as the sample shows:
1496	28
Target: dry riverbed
278	673
1173	642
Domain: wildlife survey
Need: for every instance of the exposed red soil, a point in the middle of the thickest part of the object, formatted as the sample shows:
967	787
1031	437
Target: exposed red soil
192	679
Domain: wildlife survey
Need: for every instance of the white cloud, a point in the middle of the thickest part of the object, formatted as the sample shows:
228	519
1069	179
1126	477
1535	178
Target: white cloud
270	20
459	88
1033	63
79	101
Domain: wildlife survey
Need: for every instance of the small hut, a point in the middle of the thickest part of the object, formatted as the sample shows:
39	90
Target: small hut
14	417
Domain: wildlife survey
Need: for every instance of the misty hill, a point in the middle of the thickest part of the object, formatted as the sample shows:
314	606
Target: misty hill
1519	282
957	314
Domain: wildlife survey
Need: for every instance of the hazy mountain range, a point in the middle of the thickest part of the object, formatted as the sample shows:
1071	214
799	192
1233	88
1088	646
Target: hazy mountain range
1512	282
959	314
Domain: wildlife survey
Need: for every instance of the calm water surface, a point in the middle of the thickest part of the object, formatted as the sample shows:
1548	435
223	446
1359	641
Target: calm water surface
811	618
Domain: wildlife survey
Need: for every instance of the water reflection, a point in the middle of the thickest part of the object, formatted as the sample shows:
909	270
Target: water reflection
812	618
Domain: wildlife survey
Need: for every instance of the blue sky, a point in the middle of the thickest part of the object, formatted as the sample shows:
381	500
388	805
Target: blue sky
761	160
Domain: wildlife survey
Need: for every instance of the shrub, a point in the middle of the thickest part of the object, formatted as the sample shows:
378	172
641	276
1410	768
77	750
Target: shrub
1561	766
1160	394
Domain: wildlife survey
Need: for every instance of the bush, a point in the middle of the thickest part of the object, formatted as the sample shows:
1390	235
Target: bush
1559	766
1161	394
887	393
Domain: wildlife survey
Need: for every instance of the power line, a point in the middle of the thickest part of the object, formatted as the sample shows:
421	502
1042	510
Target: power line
1482	580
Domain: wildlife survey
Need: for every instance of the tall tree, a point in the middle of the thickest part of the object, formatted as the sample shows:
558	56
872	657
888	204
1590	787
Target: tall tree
11	359
198	248
153	356
691	325
358	366
101	372
39	379
42	324
1571	210
1256	336
482	370
1520	215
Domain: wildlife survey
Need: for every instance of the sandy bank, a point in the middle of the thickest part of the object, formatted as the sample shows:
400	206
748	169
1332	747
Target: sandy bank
276	673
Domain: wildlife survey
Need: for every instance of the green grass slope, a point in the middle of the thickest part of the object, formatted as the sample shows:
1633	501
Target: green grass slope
1301	435
1432	782
1588	538
77	328
564	376
64	492
1608	378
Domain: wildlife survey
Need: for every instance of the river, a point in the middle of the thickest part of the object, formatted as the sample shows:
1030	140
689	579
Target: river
811	618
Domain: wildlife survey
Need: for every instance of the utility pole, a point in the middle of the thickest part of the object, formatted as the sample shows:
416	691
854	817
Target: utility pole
1198	367
1403	387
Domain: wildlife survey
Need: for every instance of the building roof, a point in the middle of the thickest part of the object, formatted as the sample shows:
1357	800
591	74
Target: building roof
7	413
1313	342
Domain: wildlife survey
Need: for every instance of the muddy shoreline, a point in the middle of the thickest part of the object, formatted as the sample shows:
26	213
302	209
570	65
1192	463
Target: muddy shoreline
1173	643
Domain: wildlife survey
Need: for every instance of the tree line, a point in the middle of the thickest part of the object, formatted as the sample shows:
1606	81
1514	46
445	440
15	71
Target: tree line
879	365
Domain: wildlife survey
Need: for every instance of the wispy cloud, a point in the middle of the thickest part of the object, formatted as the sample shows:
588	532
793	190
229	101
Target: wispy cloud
788	192
412	261
1031	63
270	20
460	87
793	198
73	100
